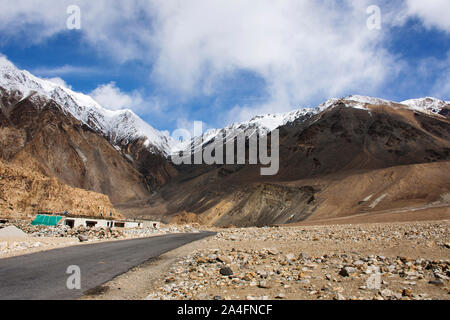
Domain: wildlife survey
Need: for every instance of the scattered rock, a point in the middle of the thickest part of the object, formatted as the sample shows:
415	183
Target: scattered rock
386	293
374	282
303	256
436	282
339	297
226	271
407	293
347	271
312	277
290	258
264	285
280	296
83	238
224	259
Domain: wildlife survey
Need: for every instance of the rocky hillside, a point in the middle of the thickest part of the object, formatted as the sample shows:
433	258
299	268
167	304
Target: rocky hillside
41	137
25	192
68	135
395	155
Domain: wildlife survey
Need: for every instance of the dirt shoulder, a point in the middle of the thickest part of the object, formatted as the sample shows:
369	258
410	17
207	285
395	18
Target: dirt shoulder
367	261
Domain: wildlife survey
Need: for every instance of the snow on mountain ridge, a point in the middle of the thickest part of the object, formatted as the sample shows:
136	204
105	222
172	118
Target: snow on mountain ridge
428	104
125	125
264	124
117	125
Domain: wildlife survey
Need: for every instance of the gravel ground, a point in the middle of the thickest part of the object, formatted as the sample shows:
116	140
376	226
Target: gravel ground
378	261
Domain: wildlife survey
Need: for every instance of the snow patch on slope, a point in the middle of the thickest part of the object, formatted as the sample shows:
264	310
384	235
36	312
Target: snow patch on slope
261	125
264	124
426	104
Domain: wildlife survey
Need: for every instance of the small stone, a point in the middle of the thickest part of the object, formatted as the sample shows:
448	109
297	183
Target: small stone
280	296
83	238
398	296
303	256
347	271
263	285
437	282
386	293
374	282
170	280
358	263
339	297
212	257
290	257
247	278
407	293
202	260
224	259
440	276
226	271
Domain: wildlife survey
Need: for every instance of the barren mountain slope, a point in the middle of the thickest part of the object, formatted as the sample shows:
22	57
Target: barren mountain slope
68	135
344	144
41	136
24	192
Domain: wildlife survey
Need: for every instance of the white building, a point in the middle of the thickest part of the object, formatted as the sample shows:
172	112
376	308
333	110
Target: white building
75	222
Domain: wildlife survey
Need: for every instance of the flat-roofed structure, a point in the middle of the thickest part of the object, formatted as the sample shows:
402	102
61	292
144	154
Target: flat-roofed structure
75	222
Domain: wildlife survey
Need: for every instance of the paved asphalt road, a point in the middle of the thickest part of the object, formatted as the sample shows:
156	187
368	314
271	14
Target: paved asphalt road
42	276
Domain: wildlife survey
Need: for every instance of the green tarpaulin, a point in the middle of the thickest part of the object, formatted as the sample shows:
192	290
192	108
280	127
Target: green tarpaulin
42	220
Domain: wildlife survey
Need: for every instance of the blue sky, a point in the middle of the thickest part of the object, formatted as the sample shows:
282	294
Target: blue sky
219	61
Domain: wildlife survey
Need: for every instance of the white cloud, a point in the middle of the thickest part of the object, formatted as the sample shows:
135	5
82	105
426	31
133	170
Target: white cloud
111	97
302	49
305	51
433	13
59	81
62	70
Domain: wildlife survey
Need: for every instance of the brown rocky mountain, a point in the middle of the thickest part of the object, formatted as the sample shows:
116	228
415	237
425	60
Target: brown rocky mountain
25	192
38	134
342	161
350	156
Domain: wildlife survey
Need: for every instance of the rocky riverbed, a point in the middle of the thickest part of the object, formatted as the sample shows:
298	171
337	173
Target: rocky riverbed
383	261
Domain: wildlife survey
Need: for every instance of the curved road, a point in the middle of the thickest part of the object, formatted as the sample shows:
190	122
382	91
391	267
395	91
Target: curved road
42	276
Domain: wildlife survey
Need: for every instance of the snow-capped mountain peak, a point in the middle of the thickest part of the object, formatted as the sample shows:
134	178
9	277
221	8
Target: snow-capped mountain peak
264	124
123	126
117	126
261	125
426	104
